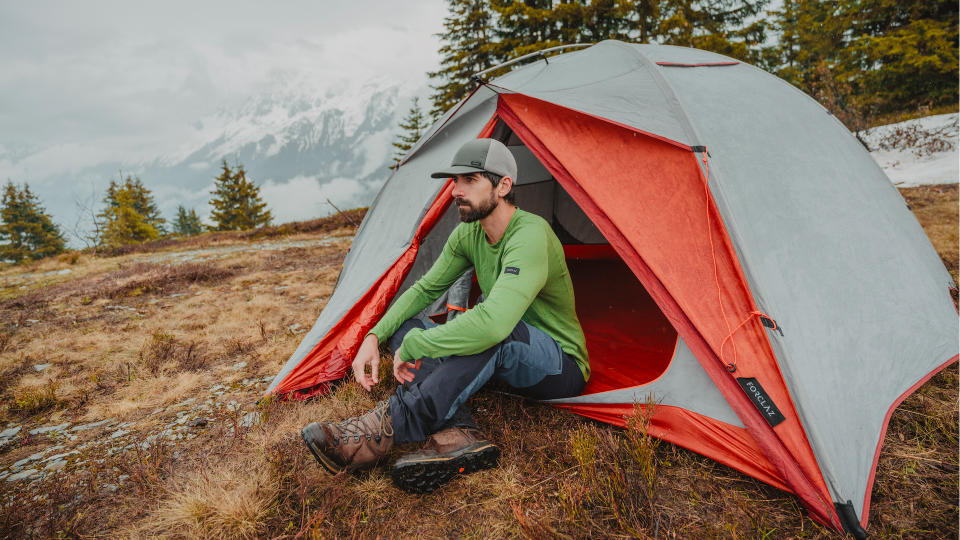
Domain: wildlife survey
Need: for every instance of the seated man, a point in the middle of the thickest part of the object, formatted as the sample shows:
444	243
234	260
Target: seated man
525	333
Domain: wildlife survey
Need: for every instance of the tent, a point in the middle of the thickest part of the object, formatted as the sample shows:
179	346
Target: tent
737	256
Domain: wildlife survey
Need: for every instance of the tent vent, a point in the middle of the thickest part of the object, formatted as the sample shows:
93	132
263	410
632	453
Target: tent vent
848	517
768	409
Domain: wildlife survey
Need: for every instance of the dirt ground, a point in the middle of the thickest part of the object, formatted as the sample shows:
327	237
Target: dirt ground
129	388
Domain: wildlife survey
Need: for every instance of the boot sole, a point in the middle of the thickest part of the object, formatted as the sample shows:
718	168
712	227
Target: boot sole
425	475
314	446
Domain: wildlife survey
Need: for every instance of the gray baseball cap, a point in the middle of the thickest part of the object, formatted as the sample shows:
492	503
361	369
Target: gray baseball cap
479	155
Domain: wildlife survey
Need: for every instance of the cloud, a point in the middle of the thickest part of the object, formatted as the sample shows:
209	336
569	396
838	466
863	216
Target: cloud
80	72
303	197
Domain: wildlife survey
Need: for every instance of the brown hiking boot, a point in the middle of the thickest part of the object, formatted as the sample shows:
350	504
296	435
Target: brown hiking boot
352	444
446	454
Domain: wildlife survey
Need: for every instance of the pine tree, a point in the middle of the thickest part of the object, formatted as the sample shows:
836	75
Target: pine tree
862	58
26	230
413	126
468	47
482	33
236	202
905	53
187	222
130	215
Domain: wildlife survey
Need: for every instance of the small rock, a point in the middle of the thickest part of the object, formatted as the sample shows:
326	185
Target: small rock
296	328
197	422
250	419
61	456
32	321
47	429
91	425
21	475
9	433
233	405
110	487
118	433
55	465
41	367
239	366
63	272
122	477
34	457
186	402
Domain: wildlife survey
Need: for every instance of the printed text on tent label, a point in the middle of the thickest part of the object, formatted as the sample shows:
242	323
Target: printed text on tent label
760	398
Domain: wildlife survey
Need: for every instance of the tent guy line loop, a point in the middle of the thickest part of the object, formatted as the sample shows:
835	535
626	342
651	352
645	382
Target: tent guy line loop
731	367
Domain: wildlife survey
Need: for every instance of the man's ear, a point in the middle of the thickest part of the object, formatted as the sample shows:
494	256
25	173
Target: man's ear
506	183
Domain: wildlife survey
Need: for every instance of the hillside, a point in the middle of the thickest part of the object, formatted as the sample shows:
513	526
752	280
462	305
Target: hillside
129	386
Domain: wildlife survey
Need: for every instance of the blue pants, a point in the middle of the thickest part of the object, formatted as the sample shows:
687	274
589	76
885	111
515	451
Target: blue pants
528	360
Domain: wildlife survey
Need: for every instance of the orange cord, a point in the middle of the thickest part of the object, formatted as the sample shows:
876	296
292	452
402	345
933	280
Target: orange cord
716	265
716	275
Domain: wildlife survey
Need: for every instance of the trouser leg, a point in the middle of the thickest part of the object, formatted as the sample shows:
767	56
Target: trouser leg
461	416
529	360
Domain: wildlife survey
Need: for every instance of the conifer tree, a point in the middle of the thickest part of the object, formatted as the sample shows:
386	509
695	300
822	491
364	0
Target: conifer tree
482	33
468	47
860	58
903	54
130	215
236	201
26	230
187	222
413	126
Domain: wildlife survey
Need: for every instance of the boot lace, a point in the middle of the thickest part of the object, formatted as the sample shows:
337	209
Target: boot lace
355	427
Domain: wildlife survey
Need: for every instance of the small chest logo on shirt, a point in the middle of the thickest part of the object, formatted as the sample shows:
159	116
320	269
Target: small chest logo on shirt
512	270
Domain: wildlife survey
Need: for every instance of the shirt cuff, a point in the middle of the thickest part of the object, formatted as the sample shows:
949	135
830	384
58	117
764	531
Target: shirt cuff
404	347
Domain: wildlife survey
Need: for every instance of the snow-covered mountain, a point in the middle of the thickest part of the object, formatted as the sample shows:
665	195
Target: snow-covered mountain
301	145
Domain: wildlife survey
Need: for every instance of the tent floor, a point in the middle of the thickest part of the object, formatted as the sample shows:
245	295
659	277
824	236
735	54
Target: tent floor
629	339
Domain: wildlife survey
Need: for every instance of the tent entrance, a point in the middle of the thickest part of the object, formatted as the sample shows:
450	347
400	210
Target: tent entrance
629	339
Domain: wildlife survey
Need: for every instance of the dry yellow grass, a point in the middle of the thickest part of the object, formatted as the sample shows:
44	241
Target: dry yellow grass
134	342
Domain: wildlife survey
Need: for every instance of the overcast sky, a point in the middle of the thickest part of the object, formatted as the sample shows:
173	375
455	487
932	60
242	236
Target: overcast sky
134	75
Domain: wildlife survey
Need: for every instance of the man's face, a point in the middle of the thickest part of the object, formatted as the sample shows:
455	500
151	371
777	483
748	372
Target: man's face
474	196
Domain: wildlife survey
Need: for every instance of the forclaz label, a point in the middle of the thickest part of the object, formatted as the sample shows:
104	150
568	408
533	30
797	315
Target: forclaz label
761	400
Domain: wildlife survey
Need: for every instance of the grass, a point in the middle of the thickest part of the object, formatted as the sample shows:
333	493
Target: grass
131	340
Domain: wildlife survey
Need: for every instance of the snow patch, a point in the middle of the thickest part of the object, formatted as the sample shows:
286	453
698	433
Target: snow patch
917	152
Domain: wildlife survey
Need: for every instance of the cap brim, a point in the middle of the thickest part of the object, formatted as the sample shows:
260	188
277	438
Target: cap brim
454	170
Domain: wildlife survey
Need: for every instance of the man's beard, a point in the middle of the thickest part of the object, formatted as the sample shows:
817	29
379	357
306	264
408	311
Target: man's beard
471	214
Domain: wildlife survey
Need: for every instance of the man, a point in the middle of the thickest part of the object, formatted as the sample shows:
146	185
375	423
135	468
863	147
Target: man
525	333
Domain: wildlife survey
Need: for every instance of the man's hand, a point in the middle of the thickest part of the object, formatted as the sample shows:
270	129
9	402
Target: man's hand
368	355
404	371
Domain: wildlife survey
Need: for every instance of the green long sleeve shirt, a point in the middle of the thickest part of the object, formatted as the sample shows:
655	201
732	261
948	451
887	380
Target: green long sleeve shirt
523	276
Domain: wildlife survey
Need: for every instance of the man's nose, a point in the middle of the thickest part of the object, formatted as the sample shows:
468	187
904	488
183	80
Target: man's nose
457	190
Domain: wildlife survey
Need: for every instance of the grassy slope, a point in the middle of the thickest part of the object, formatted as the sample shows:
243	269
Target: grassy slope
130	338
